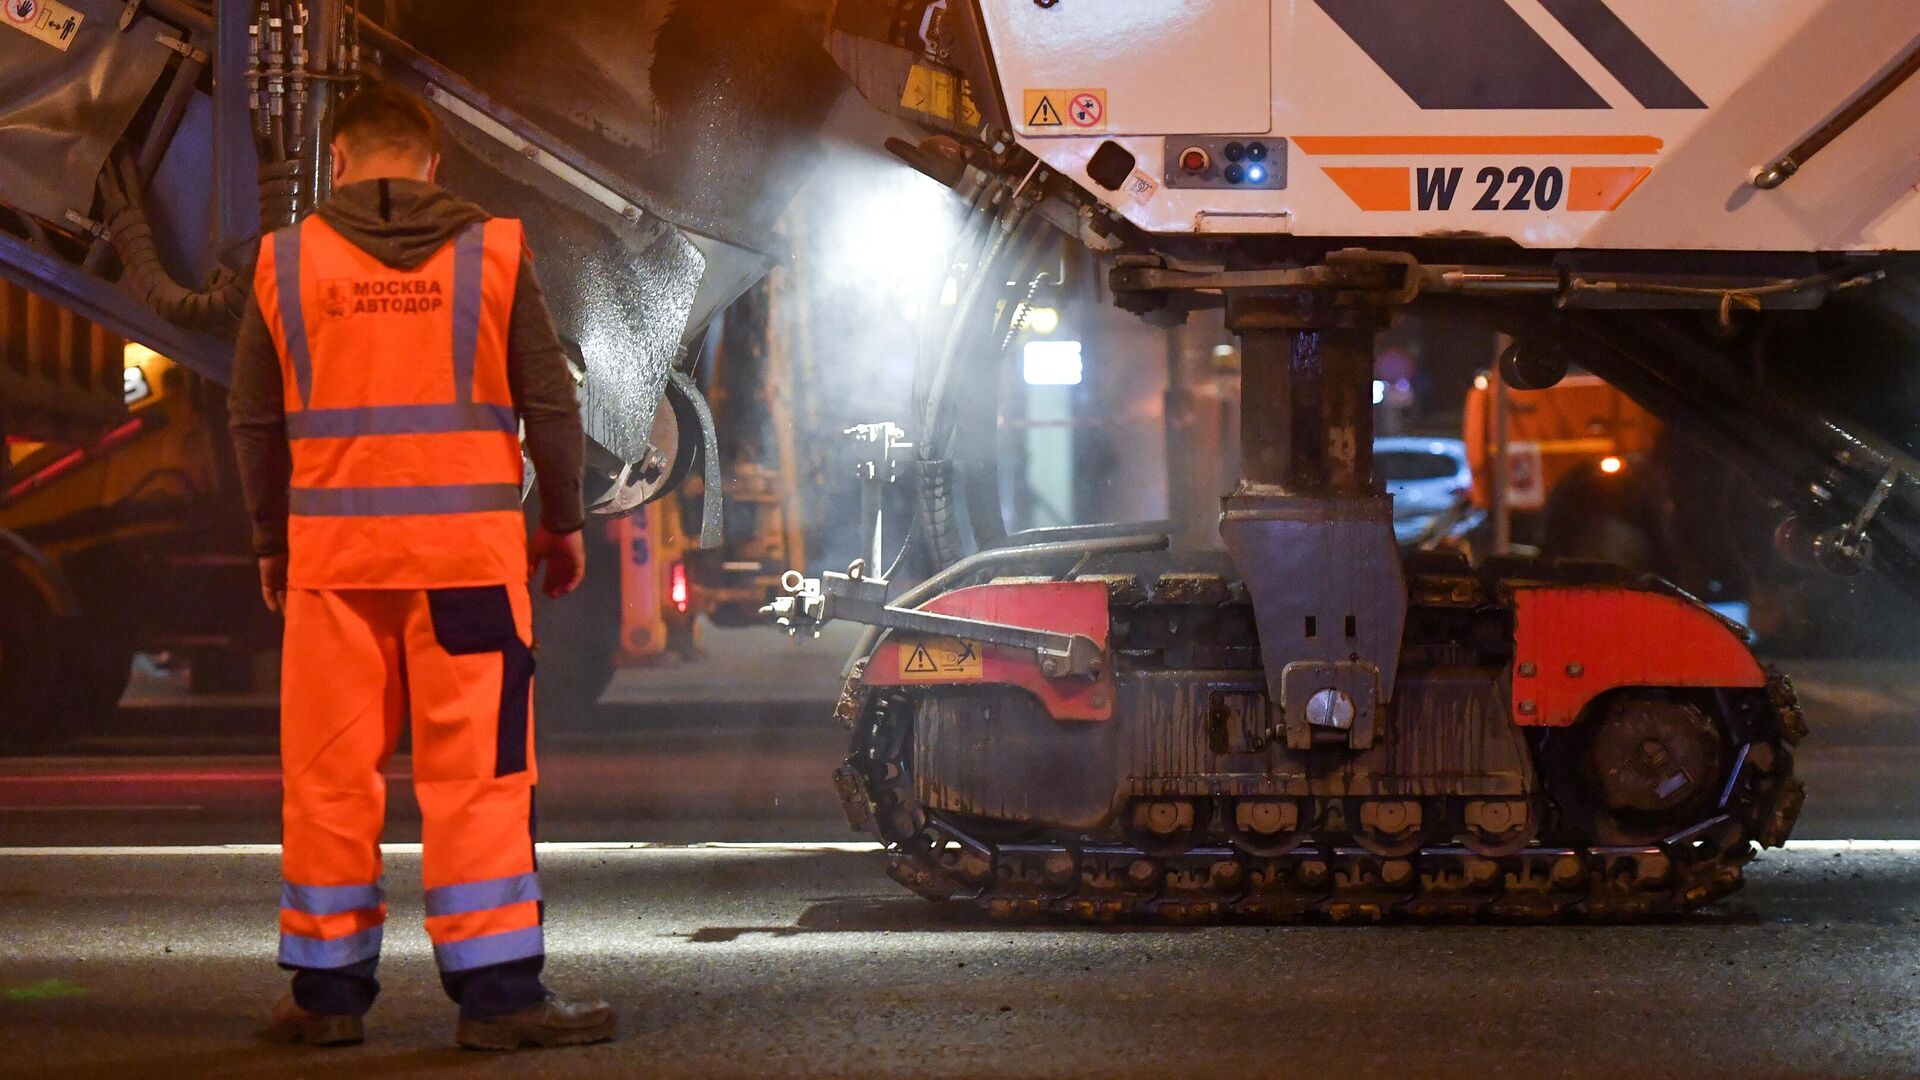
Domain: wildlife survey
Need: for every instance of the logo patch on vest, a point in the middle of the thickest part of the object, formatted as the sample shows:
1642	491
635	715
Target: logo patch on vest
342	298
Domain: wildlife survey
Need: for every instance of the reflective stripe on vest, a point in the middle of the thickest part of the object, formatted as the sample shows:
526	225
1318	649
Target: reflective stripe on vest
400	420
415	500
469	252
293	320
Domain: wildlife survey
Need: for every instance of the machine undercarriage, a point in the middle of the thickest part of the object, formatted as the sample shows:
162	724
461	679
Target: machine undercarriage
1199	799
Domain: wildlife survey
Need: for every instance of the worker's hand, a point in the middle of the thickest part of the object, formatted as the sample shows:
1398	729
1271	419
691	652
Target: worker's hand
566	559
273	582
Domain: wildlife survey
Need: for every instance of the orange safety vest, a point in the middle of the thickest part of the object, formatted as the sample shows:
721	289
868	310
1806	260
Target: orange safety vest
406	450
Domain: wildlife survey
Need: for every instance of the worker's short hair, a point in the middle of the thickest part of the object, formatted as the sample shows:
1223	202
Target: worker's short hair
385	119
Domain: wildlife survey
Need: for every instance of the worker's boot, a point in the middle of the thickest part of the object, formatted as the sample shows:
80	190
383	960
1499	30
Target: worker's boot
553	1022
292	1024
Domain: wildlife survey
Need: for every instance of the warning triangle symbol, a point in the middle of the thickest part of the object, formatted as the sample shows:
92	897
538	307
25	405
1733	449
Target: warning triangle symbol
1045	115
921	662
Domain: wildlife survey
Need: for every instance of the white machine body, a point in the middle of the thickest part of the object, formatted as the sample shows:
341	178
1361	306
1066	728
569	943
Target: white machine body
1556	124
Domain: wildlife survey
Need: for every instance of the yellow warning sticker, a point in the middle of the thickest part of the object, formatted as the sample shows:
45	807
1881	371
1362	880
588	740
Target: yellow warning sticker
1065	112
940	93
940	659
51	22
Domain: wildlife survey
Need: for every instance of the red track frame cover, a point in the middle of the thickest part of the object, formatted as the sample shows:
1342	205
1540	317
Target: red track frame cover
1067	607
1573	644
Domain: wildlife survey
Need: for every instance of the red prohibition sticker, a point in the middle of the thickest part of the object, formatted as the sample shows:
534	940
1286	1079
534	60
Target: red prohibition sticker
22	11
1087	111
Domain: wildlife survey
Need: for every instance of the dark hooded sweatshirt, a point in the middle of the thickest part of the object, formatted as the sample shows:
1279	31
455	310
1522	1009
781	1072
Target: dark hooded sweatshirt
403	223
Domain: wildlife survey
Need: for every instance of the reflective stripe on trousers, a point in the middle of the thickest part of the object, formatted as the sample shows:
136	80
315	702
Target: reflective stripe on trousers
489	901
330	926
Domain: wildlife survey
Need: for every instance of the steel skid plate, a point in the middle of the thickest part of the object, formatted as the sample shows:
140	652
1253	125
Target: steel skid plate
1326	584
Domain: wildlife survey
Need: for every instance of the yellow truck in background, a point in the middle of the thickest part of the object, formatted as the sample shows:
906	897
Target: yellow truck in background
120	532
123	532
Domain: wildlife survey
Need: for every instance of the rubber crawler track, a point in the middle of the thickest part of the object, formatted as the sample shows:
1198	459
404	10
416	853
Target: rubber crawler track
1073	879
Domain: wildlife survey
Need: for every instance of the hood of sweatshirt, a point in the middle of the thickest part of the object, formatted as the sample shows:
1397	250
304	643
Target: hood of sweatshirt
400	222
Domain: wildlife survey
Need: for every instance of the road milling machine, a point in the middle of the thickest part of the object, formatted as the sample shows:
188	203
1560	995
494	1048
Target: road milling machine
1706	205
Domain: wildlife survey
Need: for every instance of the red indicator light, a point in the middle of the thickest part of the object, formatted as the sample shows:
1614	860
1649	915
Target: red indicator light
1194	160
677	589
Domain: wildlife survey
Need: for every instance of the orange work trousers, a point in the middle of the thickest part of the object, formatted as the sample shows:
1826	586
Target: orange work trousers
357	664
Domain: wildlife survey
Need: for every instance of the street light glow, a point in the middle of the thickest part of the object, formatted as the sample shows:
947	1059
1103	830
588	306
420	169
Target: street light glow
1053	363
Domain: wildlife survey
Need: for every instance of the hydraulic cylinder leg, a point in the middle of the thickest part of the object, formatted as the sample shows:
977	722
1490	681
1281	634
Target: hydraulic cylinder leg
1309	527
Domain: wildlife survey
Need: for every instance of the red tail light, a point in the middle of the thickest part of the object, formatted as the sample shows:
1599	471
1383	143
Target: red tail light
677	589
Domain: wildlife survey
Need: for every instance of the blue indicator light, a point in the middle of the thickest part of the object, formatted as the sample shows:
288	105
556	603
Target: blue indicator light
1256	174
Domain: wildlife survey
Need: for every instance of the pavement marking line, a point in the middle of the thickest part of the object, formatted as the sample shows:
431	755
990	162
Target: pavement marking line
414	849
96	807
1868	846
769	848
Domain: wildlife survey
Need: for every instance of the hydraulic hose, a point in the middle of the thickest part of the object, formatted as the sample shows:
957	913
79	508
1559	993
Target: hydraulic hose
217	307
944	417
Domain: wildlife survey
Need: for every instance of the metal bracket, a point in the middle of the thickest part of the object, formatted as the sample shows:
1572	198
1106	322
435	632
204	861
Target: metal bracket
533	152
86	224
713	486
811	603
1340	700
882	446
1852	542
184	48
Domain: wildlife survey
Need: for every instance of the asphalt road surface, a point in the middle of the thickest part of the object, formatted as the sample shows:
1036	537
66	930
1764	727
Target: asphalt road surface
122	959
766	963
689	758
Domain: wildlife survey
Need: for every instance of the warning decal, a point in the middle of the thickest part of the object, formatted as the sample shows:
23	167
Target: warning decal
940	659
51	22
1041	111
1088	110
1065	112
942	94
1141	186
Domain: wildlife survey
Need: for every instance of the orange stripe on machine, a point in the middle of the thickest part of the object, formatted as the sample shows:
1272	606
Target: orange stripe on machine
1602	188
1378	145
1375	188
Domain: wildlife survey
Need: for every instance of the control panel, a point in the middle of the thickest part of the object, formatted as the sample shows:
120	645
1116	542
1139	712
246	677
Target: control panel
1225	162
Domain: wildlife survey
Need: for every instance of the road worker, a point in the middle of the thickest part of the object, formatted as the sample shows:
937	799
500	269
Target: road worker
395	345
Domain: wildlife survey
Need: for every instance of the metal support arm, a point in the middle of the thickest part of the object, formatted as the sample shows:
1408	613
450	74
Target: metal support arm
813	602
